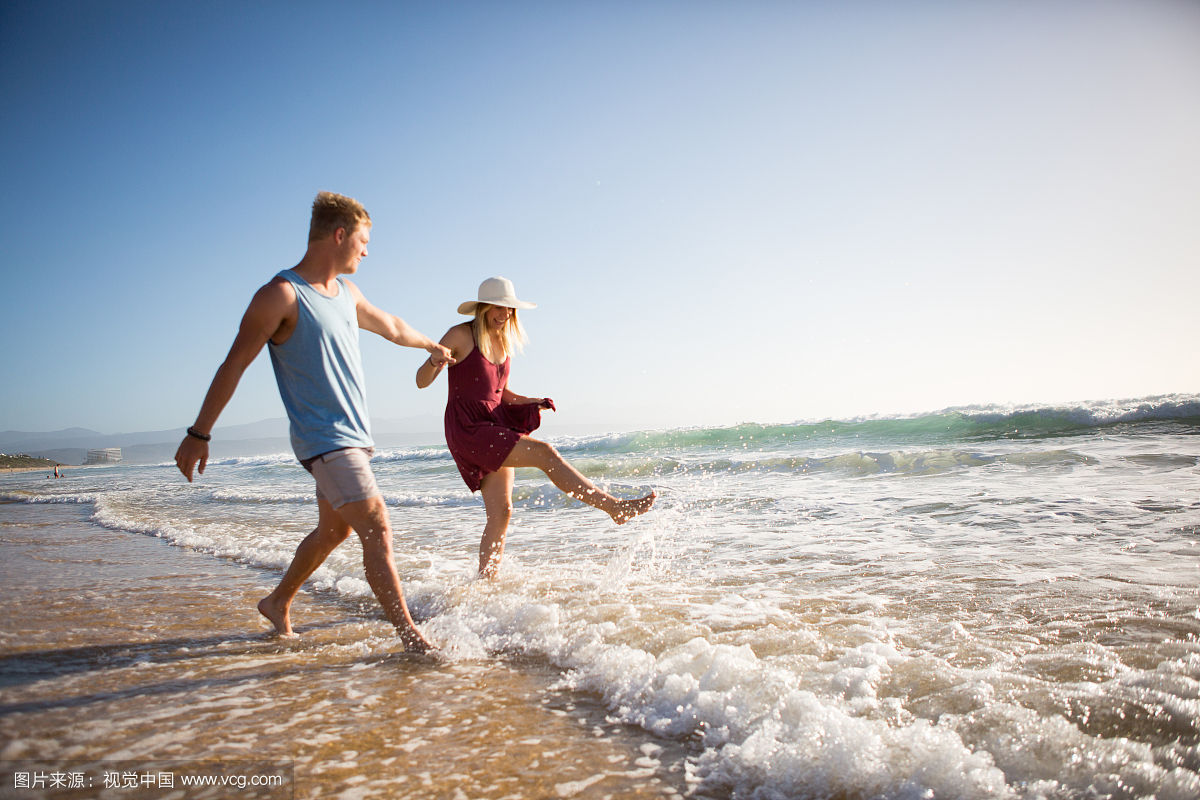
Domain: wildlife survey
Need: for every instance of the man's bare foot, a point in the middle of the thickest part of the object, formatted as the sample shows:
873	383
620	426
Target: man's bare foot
414	641
628	509
279	616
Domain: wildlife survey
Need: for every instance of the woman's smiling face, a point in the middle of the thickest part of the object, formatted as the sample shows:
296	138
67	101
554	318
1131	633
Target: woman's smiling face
497	316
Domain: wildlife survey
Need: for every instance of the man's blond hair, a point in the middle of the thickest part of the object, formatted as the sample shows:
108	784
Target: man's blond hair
331	211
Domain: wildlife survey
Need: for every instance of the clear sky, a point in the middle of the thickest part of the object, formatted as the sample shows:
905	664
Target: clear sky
728	211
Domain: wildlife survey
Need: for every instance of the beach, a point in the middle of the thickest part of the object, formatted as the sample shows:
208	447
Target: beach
983	603
121	652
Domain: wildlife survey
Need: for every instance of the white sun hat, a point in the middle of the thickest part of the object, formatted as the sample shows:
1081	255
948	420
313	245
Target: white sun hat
495	292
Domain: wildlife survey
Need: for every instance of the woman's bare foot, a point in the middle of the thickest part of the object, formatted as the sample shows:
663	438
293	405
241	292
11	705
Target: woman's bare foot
280	617
628	509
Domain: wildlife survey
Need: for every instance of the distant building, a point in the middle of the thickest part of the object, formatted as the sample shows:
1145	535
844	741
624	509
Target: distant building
104	455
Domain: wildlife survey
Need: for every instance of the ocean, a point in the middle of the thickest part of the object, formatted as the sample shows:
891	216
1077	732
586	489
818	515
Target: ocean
984	602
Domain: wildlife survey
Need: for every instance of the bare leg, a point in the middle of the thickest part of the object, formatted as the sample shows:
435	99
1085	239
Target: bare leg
497	501
369	518
331	531
534	453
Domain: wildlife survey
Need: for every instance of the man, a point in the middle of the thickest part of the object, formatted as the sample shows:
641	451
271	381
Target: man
310	316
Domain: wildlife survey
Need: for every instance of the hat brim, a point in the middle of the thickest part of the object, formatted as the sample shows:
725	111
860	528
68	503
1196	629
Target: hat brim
470	306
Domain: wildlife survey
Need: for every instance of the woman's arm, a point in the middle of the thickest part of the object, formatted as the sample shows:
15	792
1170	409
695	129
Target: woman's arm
514	399
459	342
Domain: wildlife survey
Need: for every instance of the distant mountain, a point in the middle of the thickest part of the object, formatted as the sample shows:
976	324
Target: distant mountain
263	429
10	438
70	445
79	438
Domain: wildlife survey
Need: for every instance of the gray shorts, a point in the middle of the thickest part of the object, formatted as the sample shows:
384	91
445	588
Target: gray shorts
343	476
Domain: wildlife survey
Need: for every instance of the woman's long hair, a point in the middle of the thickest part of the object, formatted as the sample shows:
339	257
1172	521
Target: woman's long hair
512	335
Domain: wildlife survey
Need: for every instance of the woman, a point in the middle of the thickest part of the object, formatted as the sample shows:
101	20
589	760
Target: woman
487	424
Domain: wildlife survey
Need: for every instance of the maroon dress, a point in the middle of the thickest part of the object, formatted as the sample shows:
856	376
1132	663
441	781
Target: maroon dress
481	430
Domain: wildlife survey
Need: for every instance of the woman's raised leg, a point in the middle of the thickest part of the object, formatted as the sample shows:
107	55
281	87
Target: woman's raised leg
535	453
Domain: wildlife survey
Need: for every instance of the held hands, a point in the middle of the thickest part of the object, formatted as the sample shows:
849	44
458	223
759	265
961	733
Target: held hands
191	450
439	355
546	402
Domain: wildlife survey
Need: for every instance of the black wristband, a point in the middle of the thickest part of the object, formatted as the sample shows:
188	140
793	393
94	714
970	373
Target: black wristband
204	437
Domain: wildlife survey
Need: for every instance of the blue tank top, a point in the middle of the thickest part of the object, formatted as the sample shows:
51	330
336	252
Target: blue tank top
319	372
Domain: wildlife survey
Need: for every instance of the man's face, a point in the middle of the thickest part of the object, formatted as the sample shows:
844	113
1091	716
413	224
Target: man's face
354	247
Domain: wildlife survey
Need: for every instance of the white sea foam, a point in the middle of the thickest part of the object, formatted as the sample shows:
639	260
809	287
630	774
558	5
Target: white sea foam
265	497
269	460
405	454
761	733
757	729
34	497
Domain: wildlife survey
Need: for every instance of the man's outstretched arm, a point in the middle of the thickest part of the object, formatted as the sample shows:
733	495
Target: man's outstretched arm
396	330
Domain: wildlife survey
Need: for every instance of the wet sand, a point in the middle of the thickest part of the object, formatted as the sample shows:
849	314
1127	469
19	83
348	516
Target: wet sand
120	651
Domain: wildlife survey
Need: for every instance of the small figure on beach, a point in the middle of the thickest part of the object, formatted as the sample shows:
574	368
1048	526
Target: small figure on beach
488	425
309	317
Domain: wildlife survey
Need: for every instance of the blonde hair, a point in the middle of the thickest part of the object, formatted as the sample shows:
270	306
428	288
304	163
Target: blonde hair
332	211
512	335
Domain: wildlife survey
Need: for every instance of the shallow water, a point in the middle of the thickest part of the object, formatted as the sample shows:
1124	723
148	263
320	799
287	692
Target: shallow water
121	653
979	603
